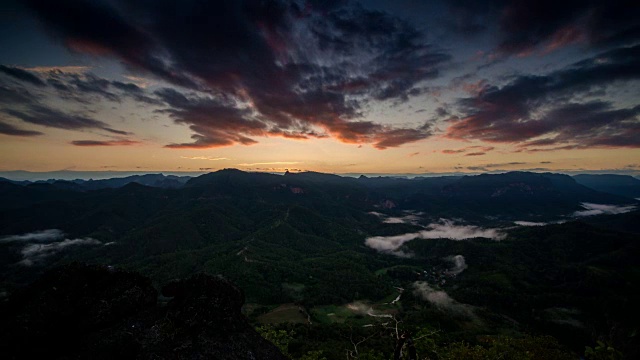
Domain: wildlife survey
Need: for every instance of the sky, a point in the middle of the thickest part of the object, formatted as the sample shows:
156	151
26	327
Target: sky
335	86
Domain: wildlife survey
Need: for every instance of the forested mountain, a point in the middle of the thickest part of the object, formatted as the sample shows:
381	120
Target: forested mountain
623	185
456	257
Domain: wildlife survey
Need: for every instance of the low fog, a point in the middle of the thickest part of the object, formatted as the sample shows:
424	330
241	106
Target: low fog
459	265
529	223
441	299
411	218
444	229
36	236
41	244
37	252
364	309
603	209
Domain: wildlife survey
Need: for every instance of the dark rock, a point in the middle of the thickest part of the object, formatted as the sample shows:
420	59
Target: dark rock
79	311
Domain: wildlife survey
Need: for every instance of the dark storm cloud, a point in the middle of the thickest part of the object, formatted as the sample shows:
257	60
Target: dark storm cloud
396	137
594	124
15	95
215	122
89	143
220	121
22	75
497	165
287	70
8	129
21	104
97	28
49	117
479	150
58	85
84	88
525	25
135	92
109	90
548	105
402	57
94	85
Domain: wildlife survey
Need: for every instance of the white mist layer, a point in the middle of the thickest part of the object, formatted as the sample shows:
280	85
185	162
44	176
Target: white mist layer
411	218
603	209
529	223
37	252
459	265
408	219
44	243
441	299
444	229
39	236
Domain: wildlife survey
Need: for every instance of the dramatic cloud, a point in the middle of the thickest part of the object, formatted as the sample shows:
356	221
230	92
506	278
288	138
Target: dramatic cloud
480	150
8	129
602	209
78	84
104	143
526	26
545	111
49	117
445	229
277	69
85	87
20	103
22	75
59	69
233	72
93	85
10	95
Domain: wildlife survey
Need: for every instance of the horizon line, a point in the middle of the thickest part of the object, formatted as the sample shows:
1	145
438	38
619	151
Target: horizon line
28	175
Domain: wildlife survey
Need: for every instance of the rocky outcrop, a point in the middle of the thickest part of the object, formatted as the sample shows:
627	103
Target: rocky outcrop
79	312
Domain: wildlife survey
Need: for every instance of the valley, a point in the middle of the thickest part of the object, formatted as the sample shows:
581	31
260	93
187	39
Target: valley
319	256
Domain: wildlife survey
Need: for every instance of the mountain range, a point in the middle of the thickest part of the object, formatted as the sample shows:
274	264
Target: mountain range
320	241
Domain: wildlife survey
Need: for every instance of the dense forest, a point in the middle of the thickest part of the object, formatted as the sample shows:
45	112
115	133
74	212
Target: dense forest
518	265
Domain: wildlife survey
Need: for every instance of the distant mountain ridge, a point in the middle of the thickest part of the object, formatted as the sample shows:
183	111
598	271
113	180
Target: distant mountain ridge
230	203
484	192
623	185
303	237
153	180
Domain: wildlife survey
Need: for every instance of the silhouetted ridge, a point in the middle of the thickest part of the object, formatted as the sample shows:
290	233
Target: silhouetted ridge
233	178
518	184
312	176
79	311
623	185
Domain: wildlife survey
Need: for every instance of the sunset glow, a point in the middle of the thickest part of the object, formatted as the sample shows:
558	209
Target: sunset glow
401	87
